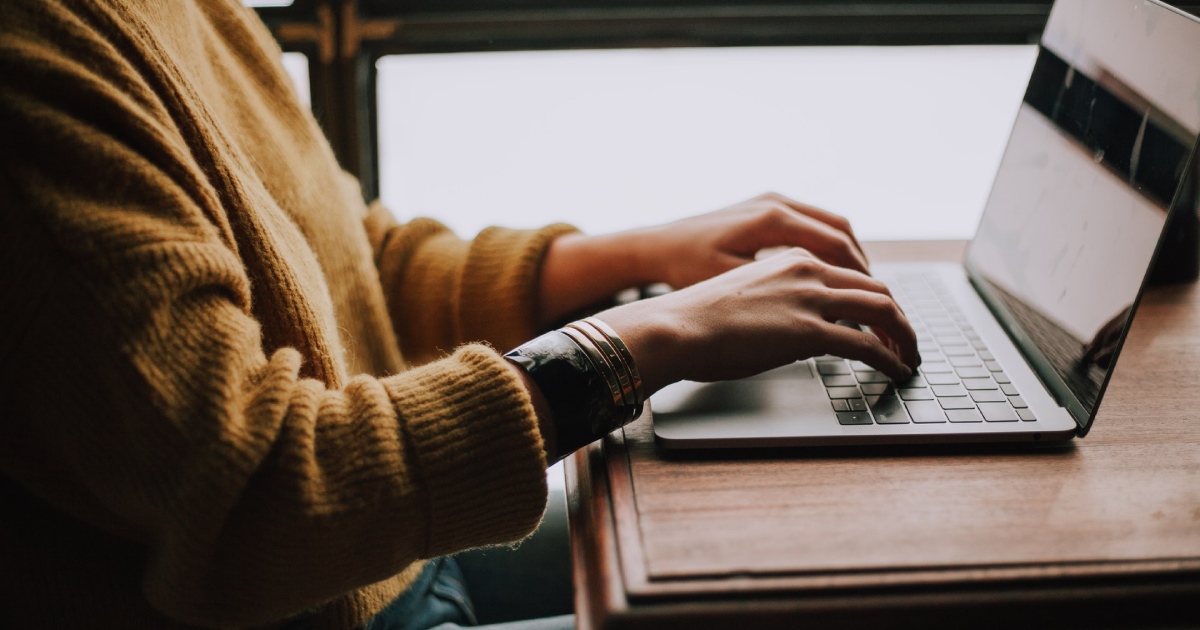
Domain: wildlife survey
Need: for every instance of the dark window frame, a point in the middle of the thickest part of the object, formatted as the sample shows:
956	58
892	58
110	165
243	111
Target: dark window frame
344	39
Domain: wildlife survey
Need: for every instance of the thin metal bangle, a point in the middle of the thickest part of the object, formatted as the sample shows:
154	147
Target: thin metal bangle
581	407
608	373
612	336
614	360
599	362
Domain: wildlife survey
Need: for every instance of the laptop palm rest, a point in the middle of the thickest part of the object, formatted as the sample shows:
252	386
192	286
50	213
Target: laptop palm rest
777	404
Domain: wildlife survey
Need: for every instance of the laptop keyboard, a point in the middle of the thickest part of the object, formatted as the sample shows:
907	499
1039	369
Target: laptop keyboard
959	379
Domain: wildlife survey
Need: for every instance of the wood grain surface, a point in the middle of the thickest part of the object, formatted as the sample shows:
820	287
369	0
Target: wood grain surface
781	534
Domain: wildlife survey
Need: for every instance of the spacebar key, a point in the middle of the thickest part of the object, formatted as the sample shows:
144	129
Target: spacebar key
926	411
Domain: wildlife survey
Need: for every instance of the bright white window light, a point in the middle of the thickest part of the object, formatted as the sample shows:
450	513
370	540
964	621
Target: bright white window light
903	141
296	65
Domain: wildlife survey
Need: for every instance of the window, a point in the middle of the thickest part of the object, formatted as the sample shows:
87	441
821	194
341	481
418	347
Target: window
296	65
614	139
343	39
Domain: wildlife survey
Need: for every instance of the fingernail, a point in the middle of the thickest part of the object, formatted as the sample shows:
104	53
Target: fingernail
908	373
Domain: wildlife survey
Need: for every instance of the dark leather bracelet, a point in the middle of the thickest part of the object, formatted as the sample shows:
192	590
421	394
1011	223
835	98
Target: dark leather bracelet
577	393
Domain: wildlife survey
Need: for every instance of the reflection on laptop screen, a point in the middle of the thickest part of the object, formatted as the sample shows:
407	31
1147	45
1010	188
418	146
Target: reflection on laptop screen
1097	155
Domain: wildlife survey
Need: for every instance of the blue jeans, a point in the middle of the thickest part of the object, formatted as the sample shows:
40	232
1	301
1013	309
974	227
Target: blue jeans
521	583
438	600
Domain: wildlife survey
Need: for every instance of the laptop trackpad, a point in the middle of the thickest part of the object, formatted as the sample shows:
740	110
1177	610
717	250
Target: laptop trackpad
774	403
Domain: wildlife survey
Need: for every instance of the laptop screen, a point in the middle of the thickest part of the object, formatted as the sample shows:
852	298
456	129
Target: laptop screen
1100	151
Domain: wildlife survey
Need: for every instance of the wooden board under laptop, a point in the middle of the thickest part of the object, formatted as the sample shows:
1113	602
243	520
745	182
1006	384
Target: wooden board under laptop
1101	531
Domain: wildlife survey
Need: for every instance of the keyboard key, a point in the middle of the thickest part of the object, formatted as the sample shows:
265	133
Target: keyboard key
840	404
1009	389
932	356
1017	402
998	412
994	366
942	379
936	367
958	351
972	372
978	344
926	411
964	415
967	361
1026	415
986	355
843	392
957	403
889	410
927	346
857	404
876	389
915	393
1001	377
949	390
839	380
839	367
979	383
988	396
859	366
854	417
950	340
871	377
916	381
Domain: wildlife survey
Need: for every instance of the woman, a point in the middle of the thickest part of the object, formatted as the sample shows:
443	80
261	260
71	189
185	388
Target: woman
237	396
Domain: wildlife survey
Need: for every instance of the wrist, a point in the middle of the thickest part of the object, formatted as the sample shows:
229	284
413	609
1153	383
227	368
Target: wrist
581	270
589	382
625	259
541	408
653	337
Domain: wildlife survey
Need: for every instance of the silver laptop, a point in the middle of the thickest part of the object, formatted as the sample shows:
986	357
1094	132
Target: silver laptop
1019	340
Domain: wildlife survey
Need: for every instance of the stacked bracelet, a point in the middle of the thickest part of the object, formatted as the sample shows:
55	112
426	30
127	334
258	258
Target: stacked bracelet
588	377
616	362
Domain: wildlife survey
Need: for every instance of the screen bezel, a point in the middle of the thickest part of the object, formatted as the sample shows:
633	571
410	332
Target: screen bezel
1037	360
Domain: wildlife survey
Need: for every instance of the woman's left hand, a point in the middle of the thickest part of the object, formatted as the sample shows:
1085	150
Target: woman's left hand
697	248
581	270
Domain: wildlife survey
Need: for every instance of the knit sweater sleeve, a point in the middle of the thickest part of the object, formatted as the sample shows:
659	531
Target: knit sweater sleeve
141	398
443	291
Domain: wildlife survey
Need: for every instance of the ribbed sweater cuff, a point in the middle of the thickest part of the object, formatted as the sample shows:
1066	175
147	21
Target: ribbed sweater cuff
471	427
500	284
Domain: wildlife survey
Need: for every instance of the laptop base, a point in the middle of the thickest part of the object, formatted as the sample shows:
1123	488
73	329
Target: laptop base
792	405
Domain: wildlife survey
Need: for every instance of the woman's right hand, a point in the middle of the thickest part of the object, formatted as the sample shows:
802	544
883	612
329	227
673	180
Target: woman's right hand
763	315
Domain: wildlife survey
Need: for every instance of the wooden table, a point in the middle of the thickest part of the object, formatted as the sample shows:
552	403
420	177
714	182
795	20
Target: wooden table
1101	532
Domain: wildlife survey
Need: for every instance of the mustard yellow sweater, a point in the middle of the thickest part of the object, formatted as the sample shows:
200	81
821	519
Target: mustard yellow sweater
206	418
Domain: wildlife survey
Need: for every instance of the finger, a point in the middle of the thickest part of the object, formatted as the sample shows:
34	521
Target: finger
879	312
842	278
839	278
787	228
835	221
857	345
